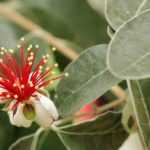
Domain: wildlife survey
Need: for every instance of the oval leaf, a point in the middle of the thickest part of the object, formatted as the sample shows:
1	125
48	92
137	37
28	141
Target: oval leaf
119	11
88	79
129	50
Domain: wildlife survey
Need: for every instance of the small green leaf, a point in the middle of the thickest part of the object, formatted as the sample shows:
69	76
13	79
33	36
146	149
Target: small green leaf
129	53
88	79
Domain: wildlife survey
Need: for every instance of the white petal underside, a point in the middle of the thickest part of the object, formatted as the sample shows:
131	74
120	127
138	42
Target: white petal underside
43	118
49	105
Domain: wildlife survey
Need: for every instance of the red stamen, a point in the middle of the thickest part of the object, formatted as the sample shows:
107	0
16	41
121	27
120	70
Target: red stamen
21	80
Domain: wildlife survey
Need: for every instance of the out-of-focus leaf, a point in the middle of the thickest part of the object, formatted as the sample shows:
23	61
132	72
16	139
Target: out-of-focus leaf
88	79
8	37
7	132
68	19
140	101
97	5
129	53
94	134
48	140
119	11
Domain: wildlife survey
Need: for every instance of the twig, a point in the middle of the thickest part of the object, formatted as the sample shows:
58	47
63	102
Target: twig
119	92
27	24
100	110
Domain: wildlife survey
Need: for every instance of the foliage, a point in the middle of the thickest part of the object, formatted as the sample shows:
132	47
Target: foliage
122	62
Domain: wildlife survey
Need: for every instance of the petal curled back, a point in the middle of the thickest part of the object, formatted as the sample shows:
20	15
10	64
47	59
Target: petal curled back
49	105
45	110
18	118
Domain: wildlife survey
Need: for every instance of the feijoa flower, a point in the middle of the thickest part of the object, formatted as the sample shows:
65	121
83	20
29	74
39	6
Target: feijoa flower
21	82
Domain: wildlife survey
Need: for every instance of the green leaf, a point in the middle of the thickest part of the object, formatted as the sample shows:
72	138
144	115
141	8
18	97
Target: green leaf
88	79
119	11
129	53
48	140
140	102
102	122
7	132
8	37
94	134
97	5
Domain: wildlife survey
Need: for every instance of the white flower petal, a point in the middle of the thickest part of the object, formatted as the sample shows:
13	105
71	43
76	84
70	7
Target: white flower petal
18	118
49	105
2	101
132	143
11	118
43	118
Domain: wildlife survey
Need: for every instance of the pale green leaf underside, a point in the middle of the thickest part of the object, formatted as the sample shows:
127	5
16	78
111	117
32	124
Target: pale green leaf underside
88	79
100	125
129	50
119	11
142	112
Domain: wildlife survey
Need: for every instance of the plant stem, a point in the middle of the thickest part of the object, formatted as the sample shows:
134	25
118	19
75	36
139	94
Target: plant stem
20	140
30	26
36	139
100	110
